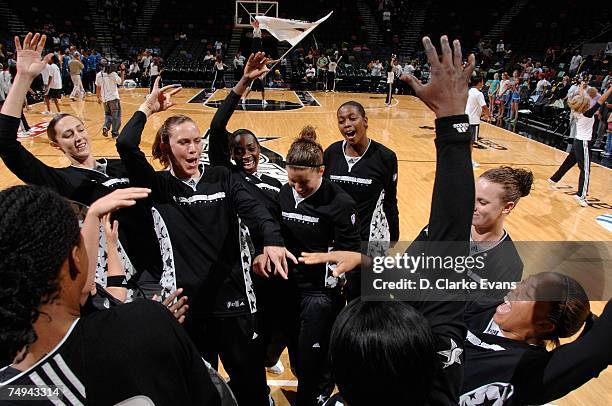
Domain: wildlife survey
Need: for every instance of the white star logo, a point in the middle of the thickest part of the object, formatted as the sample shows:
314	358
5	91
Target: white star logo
453	355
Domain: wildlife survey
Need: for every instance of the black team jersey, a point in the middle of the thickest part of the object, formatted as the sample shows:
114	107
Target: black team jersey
137	350
203	250
262	187
85	186
502	371
324	221
371	180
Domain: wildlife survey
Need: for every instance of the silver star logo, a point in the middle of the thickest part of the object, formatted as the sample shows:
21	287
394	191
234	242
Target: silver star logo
452	355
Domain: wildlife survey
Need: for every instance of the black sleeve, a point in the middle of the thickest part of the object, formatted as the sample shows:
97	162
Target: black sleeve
23	164
450	221
255	214
390	203
591	112
544	378
218	141
346	227
140	171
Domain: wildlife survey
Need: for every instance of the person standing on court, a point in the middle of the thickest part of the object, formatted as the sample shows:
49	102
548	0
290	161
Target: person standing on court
108	93
581	149
367	171
76	67
475	106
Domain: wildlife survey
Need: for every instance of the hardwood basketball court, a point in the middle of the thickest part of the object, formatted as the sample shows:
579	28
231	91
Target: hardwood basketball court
407	128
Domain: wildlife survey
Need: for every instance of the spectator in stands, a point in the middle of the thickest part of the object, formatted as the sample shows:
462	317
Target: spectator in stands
146	63
134	71
493	87
209	59
219	80
218	47
5	82
500	49
607	80
322	63
542	85
94	59
575	63
310	77
561	89
75	67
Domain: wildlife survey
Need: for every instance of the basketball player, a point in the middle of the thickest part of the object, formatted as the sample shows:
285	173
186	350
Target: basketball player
450	218
507	361
43	256
317	216
196	211
367	171
242	146
86	179
581	150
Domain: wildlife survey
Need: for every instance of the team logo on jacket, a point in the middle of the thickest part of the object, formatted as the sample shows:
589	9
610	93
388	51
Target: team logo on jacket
452	355
235	304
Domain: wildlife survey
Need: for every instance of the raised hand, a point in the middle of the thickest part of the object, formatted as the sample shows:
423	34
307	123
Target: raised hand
446	92
111	231
159	99
256	65
29	62
116	200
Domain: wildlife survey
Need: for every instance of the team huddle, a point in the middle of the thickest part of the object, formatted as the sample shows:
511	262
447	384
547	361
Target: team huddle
135	300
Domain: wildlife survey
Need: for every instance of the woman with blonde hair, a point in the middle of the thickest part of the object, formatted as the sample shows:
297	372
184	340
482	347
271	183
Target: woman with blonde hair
582	113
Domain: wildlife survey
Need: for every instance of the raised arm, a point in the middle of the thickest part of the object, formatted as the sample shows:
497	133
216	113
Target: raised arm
218	142
18	159
140	171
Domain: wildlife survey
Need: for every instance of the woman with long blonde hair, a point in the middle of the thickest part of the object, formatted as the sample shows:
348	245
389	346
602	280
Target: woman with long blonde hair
582	113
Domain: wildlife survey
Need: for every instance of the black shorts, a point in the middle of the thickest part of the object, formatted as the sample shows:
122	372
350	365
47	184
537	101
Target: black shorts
257	85
55	93
475	131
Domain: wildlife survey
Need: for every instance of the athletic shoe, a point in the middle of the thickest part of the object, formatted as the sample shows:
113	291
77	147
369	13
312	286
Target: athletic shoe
582	201
264	103
73	98
105	131
553	184
243	101
277	369
271	401
475	164
46	113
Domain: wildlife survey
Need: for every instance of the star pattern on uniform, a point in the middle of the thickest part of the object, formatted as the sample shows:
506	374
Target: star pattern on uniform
453	355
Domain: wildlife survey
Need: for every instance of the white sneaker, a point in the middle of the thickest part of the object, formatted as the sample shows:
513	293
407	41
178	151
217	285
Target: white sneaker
243	101
475	164
264	103
552	183
276	369
581	201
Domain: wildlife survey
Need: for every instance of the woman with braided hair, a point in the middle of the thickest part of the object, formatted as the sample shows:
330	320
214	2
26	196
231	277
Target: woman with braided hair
46	275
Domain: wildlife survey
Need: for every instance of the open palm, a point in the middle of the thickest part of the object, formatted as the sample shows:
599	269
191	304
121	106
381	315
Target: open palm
29	60
256	65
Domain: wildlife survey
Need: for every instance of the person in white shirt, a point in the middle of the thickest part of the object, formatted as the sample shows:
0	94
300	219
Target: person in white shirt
238	65
54	86
330	86
581	150
542	85
409	68
500	46
5	82
108	93
376	74
474	108
575	63
146	62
